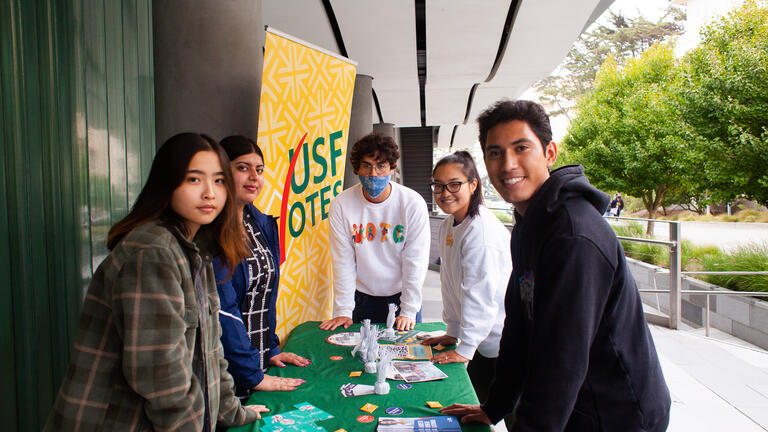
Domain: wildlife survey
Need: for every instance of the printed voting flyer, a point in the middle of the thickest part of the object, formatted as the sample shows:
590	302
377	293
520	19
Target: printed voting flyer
417	371
419	424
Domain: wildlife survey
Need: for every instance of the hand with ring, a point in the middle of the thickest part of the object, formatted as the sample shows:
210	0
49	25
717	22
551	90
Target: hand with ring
449	357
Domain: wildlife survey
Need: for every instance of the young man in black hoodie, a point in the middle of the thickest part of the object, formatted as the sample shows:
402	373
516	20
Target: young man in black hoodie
576	353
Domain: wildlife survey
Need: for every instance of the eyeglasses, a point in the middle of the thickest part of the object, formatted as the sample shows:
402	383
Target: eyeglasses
452	187
379	168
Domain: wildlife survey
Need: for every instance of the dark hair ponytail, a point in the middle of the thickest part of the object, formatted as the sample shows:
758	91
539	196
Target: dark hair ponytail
469	169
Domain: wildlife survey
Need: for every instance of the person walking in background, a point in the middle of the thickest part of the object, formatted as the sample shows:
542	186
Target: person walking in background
616	205
475	266
576	353
612	206
148	354
248	313
379	241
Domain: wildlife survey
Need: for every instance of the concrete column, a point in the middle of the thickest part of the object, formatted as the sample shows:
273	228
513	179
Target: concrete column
360	122
389	129
208	62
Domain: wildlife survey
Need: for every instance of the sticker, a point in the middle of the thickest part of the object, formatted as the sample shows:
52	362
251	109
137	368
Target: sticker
404	386
365	418
394	411
449	239
355	373
369	408
337	358
434	404
439	347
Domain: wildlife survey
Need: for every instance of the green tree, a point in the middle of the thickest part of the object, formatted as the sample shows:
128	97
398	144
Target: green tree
724	96
621	38
628	135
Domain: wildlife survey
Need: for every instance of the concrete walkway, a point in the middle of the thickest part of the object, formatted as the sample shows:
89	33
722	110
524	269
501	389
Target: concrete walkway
717	383
728	236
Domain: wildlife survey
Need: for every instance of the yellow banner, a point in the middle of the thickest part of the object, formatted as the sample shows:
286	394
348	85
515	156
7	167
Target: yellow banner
306	97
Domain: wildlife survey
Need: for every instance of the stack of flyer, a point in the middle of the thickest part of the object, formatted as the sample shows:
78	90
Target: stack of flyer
419	424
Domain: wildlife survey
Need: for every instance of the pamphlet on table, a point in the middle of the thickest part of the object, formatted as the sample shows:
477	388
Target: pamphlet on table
419	424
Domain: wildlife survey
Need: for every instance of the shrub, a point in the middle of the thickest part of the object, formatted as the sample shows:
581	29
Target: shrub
694	256
751	257
646	252
504	216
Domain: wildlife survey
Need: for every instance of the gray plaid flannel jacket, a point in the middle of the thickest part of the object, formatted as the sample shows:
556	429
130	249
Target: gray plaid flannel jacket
144	347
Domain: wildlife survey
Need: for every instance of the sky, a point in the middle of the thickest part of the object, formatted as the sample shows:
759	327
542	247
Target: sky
651	9
699	13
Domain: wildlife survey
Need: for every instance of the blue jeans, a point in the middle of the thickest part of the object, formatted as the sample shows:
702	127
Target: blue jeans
376	308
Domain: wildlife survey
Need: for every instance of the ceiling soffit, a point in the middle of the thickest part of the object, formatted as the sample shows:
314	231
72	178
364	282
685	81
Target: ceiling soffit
541	37
381	37
462	43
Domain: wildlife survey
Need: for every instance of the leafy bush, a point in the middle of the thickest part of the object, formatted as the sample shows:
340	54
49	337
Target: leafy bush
646	252
504	216
694	256
752	257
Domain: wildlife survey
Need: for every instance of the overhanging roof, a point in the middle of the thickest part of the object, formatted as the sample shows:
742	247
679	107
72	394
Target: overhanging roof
476	52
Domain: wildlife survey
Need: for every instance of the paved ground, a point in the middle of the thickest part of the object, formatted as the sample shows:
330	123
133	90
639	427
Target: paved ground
725	235
718	383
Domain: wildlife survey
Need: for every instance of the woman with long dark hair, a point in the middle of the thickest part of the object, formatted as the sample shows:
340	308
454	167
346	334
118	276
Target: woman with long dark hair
148	355
248	298
475	266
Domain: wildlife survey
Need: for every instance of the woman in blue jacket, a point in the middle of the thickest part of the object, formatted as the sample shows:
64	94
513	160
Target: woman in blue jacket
249	297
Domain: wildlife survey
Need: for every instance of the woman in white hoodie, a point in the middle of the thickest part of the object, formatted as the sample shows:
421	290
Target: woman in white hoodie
475	265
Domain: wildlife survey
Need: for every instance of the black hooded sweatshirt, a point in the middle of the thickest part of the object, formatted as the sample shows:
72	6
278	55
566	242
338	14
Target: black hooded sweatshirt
576	353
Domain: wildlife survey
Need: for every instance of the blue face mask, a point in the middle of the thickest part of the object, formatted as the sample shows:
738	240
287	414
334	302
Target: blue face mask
374	186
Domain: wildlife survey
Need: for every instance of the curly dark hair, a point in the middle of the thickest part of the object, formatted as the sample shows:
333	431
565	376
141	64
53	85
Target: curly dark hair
506	110
380	147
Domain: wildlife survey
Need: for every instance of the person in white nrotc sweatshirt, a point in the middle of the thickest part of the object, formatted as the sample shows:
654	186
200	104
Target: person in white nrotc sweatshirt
475	265
379	241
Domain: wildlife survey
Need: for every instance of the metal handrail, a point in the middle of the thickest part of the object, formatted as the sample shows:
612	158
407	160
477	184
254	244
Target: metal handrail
647	240
675	274
638	219
726	272
708	293
734	272
727	293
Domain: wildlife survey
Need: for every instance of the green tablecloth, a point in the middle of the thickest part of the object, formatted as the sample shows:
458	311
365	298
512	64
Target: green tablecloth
325	377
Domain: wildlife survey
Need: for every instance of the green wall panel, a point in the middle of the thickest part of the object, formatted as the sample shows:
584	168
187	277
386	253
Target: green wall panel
7	340
76	81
